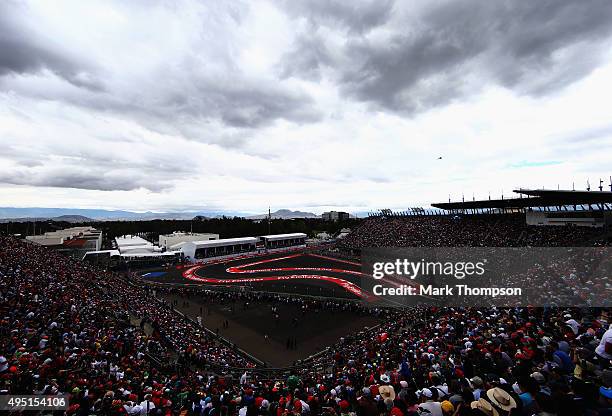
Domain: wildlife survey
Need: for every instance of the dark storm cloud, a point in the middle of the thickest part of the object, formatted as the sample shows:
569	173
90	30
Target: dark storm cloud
449	50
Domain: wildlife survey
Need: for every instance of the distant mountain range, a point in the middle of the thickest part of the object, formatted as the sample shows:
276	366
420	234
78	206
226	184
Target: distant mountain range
63	218
285	214
73	218
89	215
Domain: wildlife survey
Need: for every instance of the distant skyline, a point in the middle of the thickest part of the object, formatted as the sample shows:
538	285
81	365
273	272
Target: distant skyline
310	105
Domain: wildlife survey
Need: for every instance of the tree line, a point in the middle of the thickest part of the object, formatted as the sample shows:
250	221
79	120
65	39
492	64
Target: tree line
226	227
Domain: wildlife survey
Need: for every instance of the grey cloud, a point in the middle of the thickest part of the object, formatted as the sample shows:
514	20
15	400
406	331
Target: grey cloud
23	157
356	16
235	107
240	104
21	51
547	45
250	106
181	97
404	78
328	204
448	50
307	58
595	134
81	180
575	144
30	163
63	168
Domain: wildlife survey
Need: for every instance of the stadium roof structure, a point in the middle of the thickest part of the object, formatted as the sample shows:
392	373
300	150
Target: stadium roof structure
536	198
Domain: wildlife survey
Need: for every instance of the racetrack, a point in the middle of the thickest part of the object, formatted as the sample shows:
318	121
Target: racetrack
299	273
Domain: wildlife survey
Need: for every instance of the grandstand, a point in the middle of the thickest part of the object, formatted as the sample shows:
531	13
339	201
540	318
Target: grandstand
119	343
545	207
199	250
228	247
279	241
536	199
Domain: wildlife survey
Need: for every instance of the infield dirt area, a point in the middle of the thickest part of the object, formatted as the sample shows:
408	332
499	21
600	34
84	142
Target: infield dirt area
249	325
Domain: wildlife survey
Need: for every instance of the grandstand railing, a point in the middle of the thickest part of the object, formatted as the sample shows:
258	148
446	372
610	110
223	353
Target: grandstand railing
428	212
246	289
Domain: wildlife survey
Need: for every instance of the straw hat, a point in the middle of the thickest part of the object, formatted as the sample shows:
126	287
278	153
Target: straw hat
386	392
485	407
501	399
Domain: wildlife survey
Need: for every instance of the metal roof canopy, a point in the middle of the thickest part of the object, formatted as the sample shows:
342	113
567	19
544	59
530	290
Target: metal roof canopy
535	198
151	255
274	237
110	252
131	240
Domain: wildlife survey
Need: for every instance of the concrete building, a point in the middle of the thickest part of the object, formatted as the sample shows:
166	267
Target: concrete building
335	216
176	240
58	237
73	241
47	239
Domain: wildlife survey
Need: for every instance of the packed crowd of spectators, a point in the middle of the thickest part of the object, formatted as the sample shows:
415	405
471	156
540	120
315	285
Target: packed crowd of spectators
522	361
67	328
472	231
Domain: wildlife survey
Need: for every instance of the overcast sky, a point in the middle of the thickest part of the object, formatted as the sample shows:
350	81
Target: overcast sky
210	105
